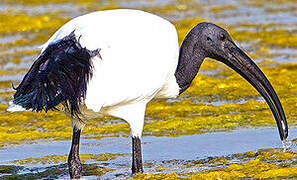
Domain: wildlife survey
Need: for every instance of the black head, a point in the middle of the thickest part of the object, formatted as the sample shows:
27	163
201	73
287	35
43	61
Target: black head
210	40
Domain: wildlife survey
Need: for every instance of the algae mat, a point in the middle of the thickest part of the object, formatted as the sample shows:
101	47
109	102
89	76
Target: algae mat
219	100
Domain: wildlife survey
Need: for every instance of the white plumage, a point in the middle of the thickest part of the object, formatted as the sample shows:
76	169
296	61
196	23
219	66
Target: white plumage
138	57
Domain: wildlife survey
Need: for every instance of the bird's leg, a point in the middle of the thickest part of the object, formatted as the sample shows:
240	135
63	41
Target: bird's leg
74	164
136	156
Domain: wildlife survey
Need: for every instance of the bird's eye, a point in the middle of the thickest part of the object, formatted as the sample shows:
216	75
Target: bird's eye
208	39
222	37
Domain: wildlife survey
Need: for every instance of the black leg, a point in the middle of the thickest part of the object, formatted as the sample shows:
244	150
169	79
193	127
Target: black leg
136	156
75	167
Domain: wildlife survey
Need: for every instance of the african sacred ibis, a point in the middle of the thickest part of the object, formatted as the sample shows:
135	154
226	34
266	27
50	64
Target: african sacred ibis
114	62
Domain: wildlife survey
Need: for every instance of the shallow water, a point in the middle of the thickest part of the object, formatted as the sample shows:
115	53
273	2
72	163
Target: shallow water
161	148
220	115
156	150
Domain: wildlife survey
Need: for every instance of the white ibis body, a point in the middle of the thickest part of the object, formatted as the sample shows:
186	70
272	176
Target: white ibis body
114	62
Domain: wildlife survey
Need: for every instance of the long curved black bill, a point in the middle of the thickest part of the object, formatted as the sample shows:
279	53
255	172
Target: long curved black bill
242	64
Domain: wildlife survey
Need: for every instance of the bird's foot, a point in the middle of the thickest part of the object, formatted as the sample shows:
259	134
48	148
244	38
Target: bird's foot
137	170
75	168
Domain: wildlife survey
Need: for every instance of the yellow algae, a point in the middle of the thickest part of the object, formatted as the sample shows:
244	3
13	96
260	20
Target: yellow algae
233	87
200	117
287	172
26	23
38	2
169	118
23	127
280	9
255	26
218	160
26	52
51	172
183	117
280	37
91	170
4	169
246	154
160	176
160	168
166	9
184	26
191	115
255	168
263	3
233	168
19	42
222	8
218	175
63	158
41	37
3	107
270	154
30	2
8	57
12	71
250	168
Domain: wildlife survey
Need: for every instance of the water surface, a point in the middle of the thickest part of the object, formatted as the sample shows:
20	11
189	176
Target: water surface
219	116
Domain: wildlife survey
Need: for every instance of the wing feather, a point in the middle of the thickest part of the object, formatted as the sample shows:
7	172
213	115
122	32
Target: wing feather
59	75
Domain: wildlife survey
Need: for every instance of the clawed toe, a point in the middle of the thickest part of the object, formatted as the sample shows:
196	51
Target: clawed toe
75	168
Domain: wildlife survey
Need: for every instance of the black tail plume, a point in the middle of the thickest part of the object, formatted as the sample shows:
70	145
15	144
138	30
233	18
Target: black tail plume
59	75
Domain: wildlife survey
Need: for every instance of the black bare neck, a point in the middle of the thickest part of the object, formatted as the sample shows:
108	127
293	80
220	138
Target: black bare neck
190	60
